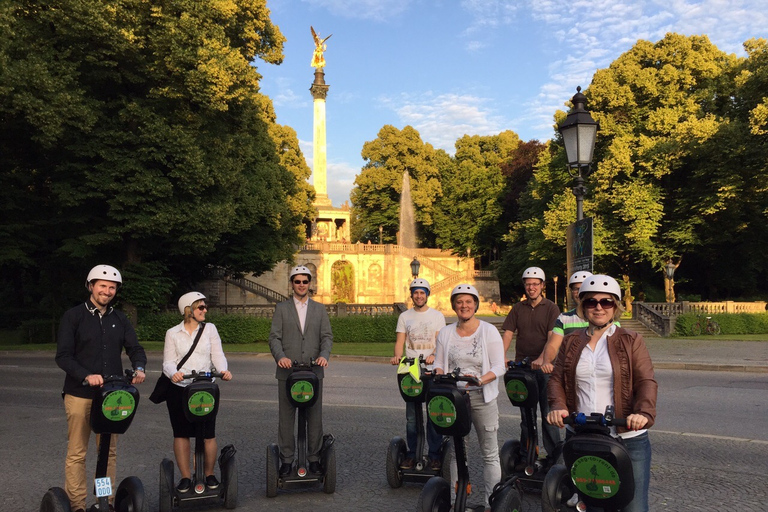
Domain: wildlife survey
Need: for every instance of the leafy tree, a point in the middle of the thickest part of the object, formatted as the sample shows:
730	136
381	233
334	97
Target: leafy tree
471	207
376	195
135	133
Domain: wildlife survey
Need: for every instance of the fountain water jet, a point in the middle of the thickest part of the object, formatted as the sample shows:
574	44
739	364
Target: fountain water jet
407	219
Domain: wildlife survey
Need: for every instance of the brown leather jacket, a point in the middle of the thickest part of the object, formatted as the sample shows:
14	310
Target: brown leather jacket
634	386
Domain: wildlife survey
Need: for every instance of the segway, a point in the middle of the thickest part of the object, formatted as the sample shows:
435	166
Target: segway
413	391
112	412
523	392
301	387
597	467
202	404
449	409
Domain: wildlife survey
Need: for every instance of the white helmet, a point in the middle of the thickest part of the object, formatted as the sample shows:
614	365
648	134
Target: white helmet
104	272
534	273
301	269
600	283
579	277
420	283
188	299
469	290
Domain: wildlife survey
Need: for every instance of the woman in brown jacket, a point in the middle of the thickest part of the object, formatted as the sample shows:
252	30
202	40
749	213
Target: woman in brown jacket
607	365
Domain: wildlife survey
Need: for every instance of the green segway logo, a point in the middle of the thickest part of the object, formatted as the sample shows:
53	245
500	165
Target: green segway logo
595	477
118	405
302	391
441	411
410	387
201	403
517	390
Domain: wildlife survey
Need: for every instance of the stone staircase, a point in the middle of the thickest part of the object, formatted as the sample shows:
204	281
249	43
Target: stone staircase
638	326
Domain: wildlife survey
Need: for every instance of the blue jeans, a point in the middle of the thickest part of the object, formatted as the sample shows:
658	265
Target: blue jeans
639	448
550	434
434	440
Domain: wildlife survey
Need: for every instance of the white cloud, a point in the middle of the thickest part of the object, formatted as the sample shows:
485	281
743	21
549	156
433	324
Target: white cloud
444	118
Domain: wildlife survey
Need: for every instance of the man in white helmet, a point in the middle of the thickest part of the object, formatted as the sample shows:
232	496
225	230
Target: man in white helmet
532	321
416	332
301	331
91	339
566	323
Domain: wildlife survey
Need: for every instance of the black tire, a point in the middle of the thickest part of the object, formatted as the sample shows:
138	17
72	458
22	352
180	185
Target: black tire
229	477
447	453
508	500
509	456
55	500
166	485
713	328
435	496
556	489
130	496
696	329
273	461
395	455
329	480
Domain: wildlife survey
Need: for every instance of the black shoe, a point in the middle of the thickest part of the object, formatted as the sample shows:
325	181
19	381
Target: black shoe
185	484
285	468
211	482
314	467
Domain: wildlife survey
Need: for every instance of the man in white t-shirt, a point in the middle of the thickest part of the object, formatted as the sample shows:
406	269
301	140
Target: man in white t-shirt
417	330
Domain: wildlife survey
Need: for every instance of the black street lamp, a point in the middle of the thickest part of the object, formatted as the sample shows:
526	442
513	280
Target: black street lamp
415	265
579	131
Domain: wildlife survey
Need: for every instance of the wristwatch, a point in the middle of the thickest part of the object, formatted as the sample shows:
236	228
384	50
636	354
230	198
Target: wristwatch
138	369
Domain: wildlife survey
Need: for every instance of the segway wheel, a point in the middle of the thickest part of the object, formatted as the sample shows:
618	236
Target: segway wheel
55	500
130	496
435	496
556	489
447	458
273	461
329	480
395	455
509	456
166	486
229	477
508	501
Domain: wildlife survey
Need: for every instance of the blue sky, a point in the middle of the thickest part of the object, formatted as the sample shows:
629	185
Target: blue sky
476	67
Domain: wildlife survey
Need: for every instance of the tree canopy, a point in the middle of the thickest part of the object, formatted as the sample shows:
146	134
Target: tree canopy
134	134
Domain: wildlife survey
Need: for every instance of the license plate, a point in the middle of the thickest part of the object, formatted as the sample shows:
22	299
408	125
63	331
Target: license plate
103	487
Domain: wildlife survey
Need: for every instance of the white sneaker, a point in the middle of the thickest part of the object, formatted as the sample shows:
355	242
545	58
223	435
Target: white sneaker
573	501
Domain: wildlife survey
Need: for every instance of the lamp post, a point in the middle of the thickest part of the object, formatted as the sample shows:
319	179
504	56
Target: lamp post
579	131
415	265
381	233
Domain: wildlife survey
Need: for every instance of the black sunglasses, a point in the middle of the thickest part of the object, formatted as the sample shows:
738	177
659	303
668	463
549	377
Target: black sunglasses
202	307
296	281
604	303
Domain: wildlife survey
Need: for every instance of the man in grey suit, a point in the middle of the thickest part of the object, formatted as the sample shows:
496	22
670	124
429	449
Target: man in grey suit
301	331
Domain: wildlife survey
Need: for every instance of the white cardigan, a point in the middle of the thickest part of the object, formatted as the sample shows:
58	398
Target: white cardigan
493	354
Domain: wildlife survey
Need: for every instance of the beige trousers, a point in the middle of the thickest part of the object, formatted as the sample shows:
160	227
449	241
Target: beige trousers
78	434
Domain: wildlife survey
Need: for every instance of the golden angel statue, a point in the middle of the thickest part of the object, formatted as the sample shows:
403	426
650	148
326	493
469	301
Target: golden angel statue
318	61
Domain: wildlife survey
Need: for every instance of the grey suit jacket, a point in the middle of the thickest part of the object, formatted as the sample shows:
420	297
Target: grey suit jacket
287	340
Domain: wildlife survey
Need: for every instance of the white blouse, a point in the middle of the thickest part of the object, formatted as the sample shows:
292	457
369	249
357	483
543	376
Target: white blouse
208	353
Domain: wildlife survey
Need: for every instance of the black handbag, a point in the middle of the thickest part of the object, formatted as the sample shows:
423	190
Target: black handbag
163	384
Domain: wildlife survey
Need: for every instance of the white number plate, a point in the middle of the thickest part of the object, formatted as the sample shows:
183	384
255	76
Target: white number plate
103	487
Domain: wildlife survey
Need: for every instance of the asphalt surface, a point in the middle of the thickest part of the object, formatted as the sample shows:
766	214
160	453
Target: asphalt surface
690	472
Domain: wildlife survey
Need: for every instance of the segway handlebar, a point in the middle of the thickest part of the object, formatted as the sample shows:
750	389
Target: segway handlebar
456	376
112	378
195	375
606	420
525	364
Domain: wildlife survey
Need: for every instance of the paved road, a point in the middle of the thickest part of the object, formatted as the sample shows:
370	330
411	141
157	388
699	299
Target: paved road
720	465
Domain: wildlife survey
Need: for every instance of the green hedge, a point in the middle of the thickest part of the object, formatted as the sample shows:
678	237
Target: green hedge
235	328
730	323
